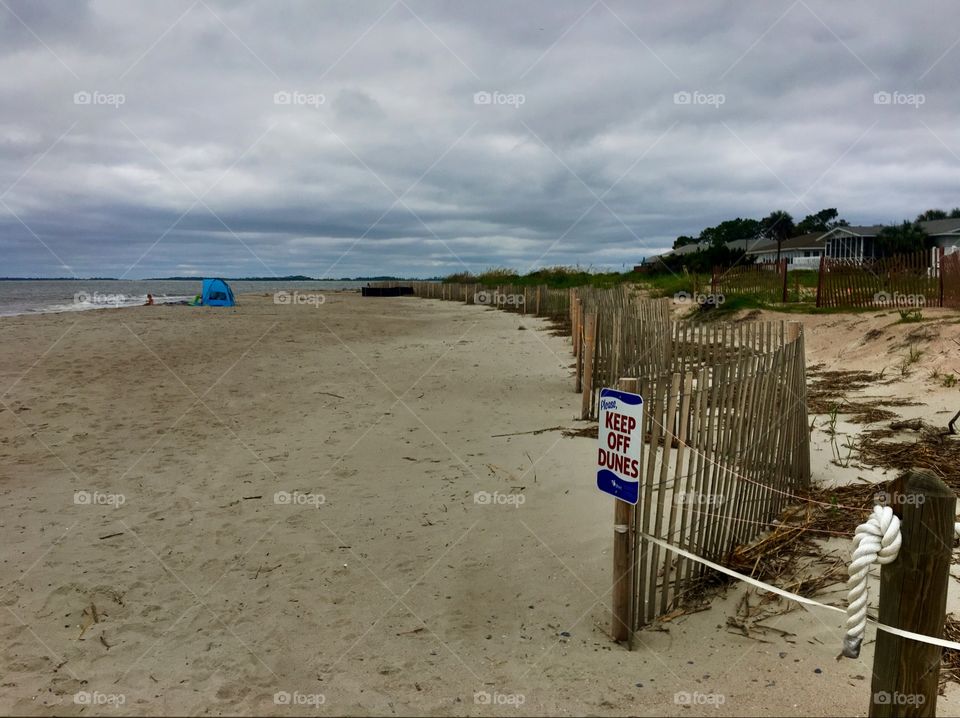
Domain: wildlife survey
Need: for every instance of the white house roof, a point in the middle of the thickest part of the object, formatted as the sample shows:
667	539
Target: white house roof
814	240
935	227
745	245
688	248
858	231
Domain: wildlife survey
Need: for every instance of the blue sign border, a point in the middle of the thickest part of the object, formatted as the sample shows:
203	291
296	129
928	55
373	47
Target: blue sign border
607	481
632	399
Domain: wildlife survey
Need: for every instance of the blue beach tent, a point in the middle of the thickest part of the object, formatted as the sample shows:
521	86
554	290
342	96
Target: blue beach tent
216	293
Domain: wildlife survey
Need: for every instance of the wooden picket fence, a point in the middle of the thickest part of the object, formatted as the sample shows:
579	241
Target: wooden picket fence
728	448
726	442
539	301
905	280
950	280
765	280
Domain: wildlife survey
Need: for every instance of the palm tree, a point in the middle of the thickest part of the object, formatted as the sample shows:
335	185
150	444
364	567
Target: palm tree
778	225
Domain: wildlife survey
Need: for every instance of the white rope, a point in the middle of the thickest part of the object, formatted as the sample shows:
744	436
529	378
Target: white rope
802	600
877	540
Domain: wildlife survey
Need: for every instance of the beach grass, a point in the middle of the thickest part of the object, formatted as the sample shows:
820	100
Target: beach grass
555	277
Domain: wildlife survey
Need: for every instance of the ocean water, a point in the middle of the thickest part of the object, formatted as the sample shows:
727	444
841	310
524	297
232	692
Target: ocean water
74	295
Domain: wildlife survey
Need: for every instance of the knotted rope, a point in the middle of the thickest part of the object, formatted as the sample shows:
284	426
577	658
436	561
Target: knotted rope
877	540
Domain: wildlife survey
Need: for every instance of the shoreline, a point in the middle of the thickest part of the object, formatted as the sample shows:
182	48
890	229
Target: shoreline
97	295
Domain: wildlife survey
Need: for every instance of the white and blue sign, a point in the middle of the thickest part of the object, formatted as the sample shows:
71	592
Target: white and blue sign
620	439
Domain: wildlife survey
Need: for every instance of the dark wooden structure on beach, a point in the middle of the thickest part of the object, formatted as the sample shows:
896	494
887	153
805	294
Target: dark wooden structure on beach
386	291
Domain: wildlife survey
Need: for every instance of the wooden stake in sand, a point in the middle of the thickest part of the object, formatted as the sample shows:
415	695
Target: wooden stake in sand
622	560
588	352
913	596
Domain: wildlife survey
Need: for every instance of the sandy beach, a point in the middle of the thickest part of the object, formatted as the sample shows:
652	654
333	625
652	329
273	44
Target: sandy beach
342	508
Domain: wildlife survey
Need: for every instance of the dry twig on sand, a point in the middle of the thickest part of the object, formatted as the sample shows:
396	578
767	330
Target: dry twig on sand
933	449
950	661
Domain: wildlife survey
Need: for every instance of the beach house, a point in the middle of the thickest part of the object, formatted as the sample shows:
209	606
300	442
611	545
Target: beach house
855	243
801	252
945	233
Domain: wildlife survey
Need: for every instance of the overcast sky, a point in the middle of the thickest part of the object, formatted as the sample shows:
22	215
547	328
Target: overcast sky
336	139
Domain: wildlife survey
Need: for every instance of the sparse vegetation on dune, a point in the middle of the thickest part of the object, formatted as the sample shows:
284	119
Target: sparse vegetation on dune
665	284
909	316
557	277
668	284
801	285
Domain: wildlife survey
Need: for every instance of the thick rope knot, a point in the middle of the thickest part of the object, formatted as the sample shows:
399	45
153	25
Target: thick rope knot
877	540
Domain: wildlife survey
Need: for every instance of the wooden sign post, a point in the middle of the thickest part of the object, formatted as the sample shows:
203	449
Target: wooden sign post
620	435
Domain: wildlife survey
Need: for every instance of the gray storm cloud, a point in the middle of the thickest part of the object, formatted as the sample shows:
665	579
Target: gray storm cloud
422	138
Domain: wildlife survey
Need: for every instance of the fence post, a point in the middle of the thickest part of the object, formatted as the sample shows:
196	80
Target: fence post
587	351
940	272
783	270
577	348
577	307
913	597
623	526
823	258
